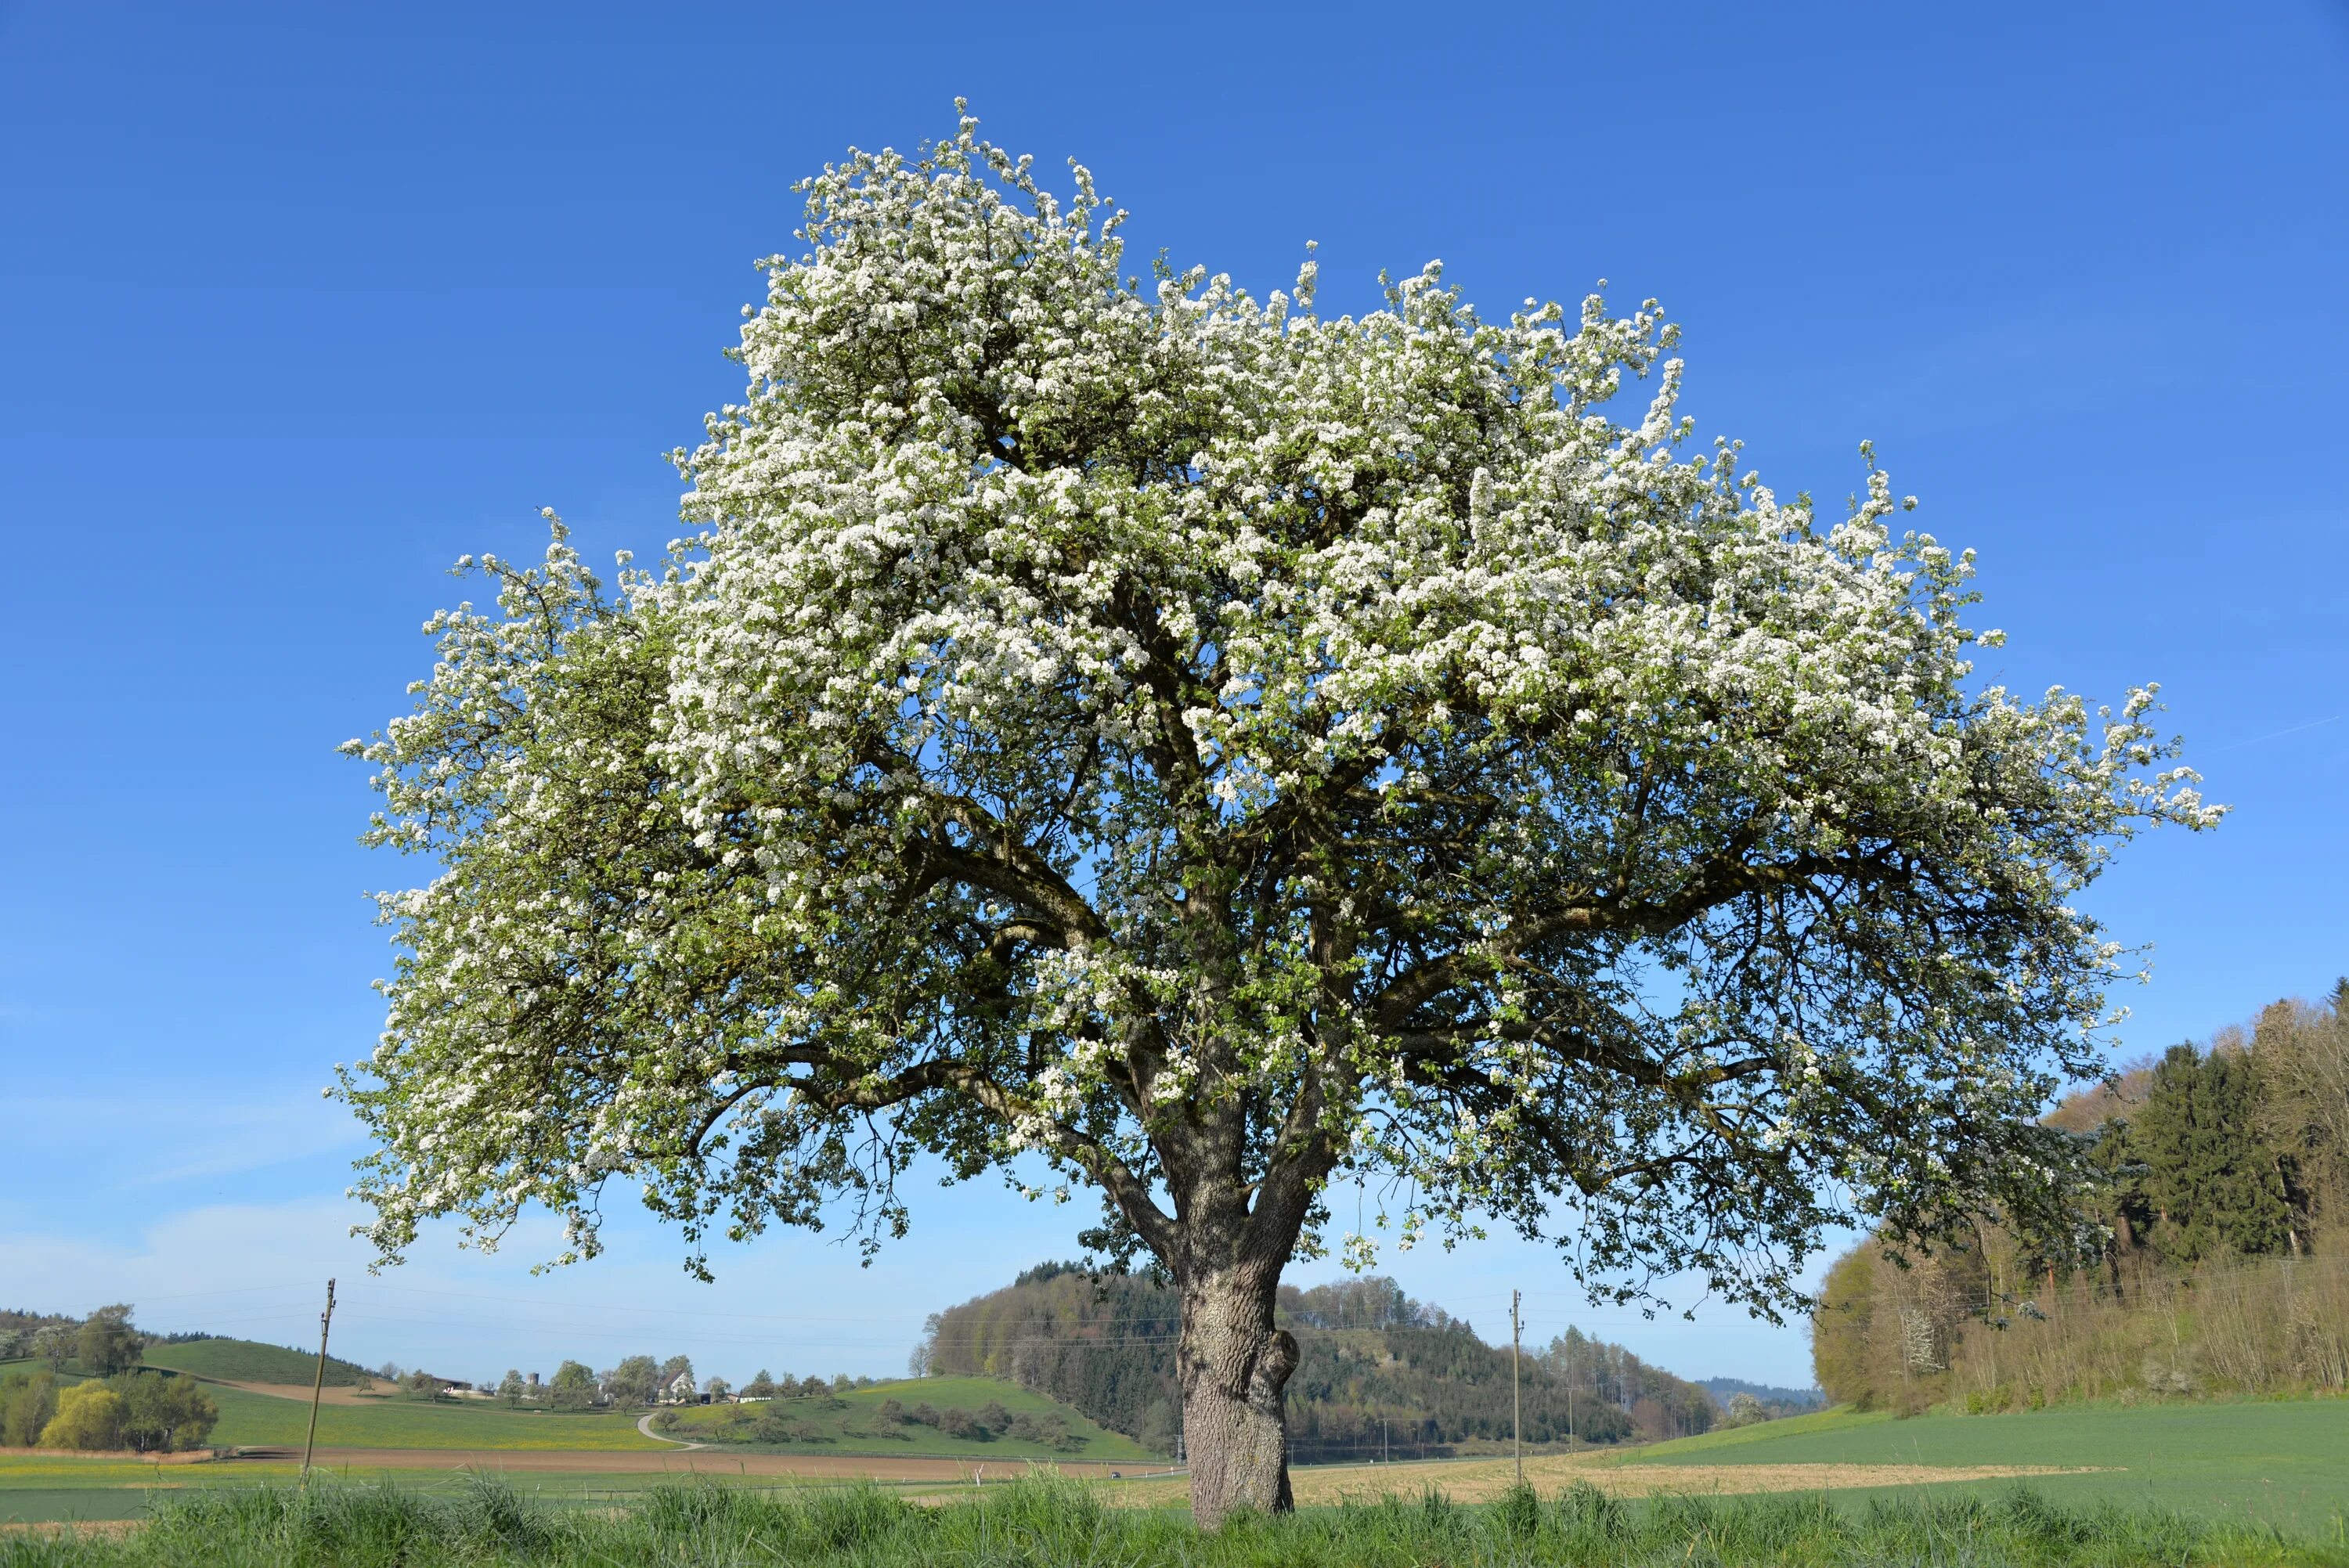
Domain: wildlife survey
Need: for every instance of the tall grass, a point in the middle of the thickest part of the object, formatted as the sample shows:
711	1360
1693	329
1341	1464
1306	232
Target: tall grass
1049	1523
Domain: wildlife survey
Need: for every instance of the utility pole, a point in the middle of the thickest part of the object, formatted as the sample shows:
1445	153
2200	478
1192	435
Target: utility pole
1569	1391
1516	1410
319	1388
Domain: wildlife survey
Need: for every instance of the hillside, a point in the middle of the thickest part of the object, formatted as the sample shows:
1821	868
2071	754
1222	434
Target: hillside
1378	1374
973	1418
248	1361
2221	1189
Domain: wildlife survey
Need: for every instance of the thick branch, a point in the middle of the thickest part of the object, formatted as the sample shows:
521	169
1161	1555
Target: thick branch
1720	882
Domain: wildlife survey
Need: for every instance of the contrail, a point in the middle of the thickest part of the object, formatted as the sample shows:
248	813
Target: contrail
2277	734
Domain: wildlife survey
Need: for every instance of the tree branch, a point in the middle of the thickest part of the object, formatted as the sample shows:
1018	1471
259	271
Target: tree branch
1721	881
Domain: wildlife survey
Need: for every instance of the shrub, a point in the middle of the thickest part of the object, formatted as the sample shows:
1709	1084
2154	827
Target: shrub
89	1416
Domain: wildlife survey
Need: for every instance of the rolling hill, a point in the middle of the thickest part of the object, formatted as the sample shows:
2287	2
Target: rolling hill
1380	1375
249	1361
999	1419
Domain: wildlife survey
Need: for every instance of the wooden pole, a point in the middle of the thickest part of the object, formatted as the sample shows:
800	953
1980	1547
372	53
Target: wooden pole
318	1386
1569	1390
1516	1410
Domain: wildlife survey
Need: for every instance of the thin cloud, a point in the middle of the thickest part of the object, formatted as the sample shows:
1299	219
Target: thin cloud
2275	735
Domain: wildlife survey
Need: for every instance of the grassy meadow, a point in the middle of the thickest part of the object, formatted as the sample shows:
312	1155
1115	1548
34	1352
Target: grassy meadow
248	1419
260	1420
2283	1462
250	1361
2186	1483
852	1422
1047	1525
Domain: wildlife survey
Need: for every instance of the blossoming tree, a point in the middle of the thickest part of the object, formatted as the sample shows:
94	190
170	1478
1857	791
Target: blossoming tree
1157	739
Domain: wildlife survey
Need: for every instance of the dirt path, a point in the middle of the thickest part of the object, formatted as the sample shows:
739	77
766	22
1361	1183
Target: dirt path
645	1425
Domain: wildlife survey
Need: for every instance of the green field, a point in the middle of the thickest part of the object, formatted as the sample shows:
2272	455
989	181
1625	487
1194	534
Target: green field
1039	1522
39	1488
266	1420
248	1361
252	1421
2283	1462
852	1422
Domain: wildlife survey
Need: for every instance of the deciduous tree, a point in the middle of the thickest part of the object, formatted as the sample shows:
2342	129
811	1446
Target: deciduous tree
1143	736
27	1401
574	1387
162	1414
107	1344
634	1381
89	1416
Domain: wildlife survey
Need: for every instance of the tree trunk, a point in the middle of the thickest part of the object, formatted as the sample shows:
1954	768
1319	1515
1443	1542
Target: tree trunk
1233	1364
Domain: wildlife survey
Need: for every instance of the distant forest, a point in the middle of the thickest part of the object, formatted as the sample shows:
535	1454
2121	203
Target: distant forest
1379	1372
2218	1265
1776	1400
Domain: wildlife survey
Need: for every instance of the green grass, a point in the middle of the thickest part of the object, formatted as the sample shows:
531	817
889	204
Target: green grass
248	1361
1034	1524
252	1420
2283	1462
852	1422
51	1489
266	1420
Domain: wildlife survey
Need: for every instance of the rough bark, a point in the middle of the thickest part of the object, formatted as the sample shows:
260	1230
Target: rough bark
1233	1366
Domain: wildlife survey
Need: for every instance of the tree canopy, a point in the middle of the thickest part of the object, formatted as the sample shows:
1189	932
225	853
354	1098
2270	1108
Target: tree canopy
1182	744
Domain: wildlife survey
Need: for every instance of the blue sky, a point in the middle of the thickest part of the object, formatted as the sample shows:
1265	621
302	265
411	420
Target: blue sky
298	304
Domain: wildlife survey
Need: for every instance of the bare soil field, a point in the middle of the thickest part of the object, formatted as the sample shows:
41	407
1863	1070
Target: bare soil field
329	1395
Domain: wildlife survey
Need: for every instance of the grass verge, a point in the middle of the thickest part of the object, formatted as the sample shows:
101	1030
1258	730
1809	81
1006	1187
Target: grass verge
1031	1524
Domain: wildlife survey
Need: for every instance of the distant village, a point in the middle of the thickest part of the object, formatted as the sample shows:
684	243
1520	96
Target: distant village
639	1381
